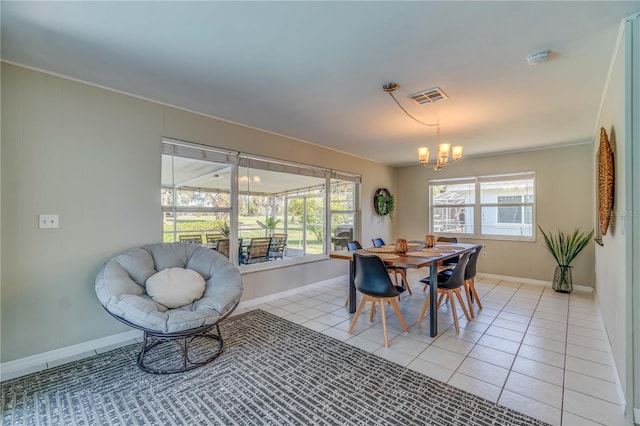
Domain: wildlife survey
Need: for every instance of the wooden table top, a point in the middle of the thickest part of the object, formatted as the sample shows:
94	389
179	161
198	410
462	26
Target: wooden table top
411	261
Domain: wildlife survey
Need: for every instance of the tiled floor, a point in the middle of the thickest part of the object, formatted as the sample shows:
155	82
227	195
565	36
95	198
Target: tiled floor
530	349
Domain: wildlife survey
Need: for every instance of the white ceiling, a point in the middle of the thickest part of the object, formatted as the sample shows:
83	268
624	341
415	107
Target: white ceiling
314	70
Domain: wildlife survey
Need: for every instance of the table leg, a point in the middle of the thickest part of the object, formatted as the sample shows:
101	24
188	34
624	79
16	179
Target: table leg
352	287
433	303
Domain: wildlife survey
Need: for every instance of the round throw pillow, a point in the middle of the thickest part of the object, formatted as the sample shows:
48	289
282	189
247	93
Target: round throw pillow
175	287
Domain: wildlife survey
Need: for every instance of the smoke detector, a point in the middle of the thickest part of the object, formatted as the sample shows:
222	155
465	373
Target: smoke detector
538	57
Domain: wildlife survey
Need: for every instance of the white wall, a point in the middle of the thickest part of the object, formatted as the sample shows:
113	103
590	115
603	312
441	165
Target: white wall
94	157
564	200
610	258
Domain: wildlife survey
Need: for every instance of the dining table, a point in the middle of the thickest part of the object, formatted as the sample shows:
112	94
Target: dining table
417	256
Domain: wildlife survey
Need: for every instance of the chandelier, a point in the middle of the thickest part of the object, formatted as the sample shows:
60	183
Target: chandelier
442	149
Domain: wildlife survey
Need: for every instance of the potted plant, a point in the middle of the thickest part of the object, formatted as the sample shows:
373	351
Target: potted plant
223	227
564	248
269	225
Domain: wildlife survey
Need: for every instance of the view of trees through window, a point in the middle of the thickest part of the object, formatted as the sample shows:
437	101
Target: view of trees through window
274	200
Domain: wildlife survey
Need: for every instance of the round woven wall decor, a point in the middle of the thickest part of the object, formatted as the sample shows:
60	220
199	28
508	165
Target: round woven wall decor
606	181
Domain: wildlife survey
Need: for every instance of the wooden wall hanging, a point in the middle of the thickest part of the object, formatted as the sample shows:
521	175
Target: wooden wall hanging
606	181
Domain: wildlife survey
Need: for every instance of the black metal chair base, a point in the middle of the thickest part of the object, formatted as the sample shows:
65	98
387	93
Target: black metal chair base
183	340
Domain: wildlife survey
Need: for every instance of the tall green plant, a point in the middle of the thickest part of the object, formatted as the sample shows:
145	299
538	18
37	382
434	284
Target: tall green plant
565	247
269	224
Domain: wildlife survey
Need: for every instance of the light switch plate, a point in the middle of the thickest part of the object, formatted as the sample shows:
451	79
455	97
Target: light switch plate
48	221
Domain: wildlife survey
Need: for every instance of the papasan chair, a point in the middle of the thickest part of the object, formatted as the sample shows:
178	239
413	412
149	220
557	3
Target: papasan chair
177	294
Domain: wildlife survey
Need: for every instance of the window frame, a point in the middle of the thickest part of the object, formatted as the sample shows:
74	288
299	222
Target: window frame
237	161
528	200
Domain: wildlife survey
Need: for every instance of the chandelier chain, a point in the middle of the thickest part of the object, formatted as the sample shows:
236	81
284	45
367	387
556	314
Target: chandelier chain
409	115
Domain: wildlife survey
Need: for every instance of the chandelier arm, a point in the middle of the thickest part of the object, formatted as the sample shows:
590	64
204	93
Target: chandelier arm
409	115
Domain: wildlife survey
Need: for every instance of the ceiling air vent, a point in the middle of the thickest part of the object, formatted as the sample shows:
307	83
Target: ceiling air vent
429	96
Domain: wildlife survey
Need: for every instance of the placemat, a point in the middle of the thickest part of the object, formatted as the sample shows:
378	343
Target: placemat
382	249
383	256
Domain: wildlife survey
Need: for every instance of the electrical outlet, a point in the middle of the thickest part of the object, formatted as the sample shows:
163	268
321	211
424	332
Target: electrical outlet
48	221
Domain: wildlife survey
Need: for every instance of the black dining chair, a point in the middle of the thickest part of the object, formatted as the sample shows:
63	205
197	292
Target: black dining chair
379	242
373	281
353	245
469	280
454	260
449	285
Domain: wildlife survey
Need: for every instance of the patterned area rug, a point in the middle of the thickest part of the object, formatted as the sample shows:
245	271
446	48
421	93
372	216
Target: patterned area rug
272	372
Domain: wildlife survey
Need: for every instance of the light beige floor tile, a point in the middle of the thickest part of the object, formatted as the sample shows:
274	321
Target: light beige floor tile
475	386
483	371
293	307
430	369
392	354
330	319
569	419
544	343
587	332
505	333
474	325
589	368
510	325
542	355
593	355
589	342
455	345
535	389
539	370
337	334
531	407
542	323
559	318
375	334
595	325
593	409
310	313
315	325
499	343
464	334
492	356
364	344
407	345
591	386
298	319
512	317
442	357
548	333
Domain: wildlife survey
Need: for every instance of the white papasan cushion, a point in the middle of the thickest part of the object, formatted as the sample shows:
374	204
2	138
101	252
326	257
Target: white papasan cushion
175	287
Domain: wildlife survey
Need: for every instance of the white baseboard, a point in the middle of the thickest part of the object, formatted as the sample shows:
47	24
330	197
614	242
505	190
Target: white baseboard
264	299
531	281
34	363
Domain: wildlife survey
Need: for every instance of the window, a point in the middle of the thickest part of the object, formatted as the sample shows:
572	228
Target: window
503	205
275	200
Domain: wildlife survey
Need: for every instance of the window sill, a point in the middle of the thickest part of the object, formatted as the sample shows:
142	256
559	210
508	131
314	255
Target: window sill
277	264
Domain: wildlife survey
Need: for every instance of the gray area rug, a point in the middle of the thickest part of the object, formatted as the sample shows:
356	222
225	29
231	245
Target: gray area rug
272	372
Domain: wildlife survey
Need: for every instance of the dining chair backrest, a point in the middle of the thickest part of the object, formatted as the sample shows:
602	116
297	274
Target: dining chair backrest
470	271
353	245
191	238
377	242
372	278
447	240
457	276
258	250
214	238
